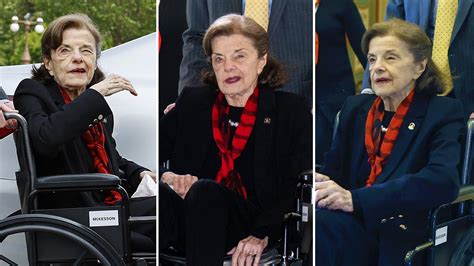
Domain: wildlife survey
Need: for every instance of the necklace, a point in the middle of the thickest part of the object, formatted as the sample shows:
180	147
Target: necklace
384	129
233	124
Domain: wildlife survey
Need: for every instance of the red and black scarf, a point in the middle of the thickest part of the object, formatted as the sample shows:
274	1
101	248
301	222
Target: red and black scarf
230	150
373	134
95	141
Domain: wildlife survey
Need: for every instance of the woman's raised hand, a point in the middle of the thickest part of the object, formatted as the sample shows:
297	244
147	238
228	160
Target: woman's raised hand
112	84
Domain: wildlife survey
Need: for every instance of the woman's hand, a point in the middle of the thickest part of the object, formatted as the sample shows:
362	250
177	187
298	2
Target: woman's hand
151	174
179	183
332	196
112	84
320	177
7	107
248	251
169	108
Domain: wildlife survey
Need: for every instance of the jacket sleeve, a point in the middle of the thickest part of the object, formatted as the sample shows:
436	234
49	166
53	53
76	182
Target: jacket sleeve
49	129
435	184
355	29
332	165
194	59
168	132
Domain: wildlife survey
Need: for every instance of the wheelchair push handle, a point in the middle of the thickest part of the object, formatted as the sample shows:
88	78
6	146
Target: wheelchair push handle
13	115
306	177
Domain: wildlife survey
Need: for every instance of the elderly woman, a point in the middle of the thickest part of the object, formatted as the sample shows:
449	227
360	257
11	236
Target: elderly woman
394	157
70	123
235	148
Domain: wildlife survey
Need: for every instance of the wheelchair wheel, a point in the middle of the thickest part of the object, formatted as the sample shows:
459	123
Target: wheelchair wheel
464	253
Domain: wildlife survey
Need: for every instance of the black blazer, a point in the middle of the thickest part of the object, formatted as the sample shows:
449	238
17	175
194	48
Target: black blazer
420	173
56	130
283	145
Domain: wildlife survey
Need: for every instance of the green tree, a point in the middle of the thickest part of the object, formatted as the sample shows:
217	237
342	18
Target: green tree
118	22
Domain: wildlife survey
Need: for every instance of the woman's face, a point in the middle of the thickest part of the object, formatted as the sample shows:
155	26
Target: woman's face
73	63
393	70
236	64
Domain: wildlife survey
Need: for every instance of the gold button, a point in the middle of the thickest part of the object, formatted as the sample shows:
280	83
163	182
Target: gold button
100	117
404	227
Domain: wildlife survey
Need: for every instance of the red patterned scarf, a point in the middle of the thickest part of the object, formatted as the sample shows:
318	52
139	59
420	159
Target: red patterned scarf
95	141
221	132
373	134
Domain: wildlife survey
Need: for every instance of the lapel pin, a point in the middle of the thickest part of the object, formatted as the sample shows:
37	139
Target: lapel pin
267	120
411	126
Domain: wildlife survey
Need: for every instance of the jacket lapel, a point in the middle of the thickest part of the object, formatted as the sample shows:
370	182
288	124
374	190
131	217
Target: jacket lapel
263	130
275	15
463	9
410	127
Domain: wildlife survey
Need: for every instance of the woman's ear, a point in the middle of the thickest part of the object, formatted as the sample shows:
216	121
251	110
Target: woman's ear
47	65
420	68
261	63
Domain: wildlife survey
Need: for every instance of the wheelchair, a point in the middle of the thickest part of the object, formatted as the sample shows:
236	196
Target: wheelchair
71	236
294	246
451	240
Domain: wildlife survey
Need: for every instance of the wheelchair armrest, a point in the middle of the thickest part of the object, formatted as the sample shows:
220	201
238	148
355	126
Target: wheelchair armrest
142	219
465	193
418	249
77	181
292	217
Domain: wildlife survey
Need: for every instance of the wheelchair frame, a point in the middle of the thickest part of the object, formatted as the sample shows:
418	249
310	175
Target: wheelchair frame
464	202
33	221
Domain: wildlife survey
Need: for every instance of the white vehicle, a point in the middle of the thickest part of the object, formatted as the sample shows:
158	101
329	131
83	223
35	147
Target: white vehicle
135	122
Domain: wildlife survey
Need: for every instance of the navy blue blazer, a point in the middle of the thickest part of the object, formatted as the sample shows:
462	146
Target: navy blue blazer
420	173
282	146
461	48
289	28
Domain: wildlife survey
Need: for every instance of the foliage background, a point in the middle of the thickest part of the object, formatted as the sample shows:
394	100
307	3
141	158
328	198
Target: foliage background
118	22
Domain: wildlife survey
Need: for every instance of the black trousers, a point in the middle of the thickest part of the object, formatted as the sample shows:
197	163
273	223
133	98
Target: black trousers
342	240
208	223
